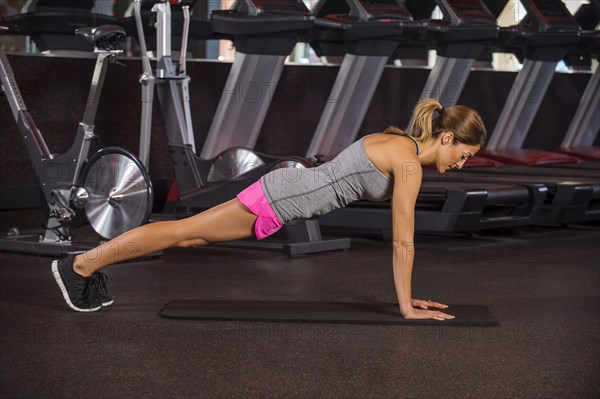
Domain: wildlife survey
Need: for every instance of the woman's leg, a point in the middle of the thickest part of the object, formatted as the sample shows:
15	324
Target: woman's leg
229	221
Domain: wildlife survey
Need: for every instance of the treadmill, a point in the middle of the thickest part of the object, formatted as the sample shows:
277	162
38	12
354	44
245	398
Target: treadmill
573	193
442	207
585	126
365	34
543	38
264	33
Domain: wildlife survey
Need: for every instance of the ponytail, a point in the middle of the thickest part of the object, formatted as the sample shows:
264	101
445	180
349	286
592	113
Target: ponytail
431	119
422	127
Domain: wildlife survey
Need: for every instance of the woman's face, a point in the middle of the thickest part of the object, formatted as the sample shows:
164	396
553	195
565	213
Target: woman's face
453	156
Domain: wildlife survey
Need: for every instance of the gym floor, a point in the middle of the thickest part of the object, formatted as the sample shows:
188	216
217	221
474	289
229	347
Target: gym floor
541	283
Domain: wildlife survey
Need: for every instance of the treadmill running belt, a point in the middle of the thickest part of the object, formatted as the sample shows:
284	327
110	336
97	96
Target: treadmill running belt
317	312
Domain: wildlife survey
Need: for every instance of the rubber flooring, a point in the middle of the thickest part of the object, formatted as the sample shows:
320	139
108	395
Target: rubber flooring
541	283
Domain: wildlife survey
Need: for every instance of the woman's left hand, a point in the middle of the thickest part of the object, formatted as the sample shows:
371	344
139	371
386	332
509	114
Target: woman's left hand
418	303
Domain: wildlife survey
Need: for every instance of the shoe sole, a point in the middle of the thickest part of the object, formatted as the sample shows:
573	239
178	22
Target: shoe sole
106	304
65	293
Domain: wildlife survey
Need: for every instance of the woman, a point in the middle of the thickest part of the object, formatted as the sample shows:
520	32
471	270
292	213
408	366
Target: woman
377	167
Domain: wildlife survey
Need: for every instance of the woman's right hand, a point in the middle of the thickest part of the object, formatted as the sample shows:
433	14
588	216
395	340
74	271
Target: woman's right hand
422	314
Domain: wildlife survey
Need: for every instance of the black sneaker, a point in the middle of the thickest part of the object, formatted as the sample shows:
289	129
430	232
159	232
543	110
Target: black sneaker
77	290
99	286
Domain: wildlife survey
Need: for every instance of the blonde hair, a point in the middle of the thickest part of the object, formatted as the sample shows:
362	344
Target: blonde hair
431	119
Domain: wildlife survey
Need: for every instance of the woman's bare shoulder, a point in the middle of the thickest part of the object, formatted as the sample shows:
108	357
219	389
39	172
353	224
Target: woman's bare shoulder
392	152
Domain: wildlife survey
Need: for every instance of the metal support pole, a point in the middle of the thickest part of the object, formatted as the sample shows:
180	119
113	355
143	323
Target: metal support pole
524	100
347	104
585	125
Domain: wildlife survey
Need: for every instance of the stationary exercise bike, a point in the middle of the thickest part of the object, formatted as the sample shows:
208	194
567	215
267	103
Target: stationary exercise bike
111	189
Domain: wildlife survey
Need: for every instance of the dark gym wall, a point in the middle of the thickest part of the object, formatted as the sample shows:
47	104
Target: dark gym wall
300	98
55	90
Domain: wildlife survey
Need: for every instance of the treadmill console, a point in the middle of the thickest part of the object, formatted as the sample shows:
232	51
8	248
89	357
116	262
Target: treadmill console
548	15
420	9
43	5
362	10
271	7
175	4
588	15
265	27
369	10
466	12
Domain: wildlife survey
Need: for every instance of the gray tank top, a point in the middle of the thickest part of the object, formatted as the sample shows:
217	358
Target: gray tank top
303	193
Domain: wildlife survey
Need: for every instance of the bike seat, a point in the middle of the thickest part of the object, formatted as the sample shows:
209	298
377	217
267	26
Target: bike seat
104	37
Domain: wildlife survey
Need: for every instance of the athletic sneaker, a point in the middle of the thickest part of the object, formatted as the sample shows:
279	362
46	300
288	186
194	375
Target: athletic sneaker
99	286
77	290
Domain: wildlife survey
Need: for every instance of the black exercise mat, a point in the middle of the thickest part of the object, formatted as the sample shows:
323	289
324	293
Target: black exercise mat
317	312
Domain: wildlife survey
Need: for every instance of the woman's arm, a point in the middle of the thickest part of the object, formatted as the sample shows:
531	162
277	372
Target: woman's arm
407	183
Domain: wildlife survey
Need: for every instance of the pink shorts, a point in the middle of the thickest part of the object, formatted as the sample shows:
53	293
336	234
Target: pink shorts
254	198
